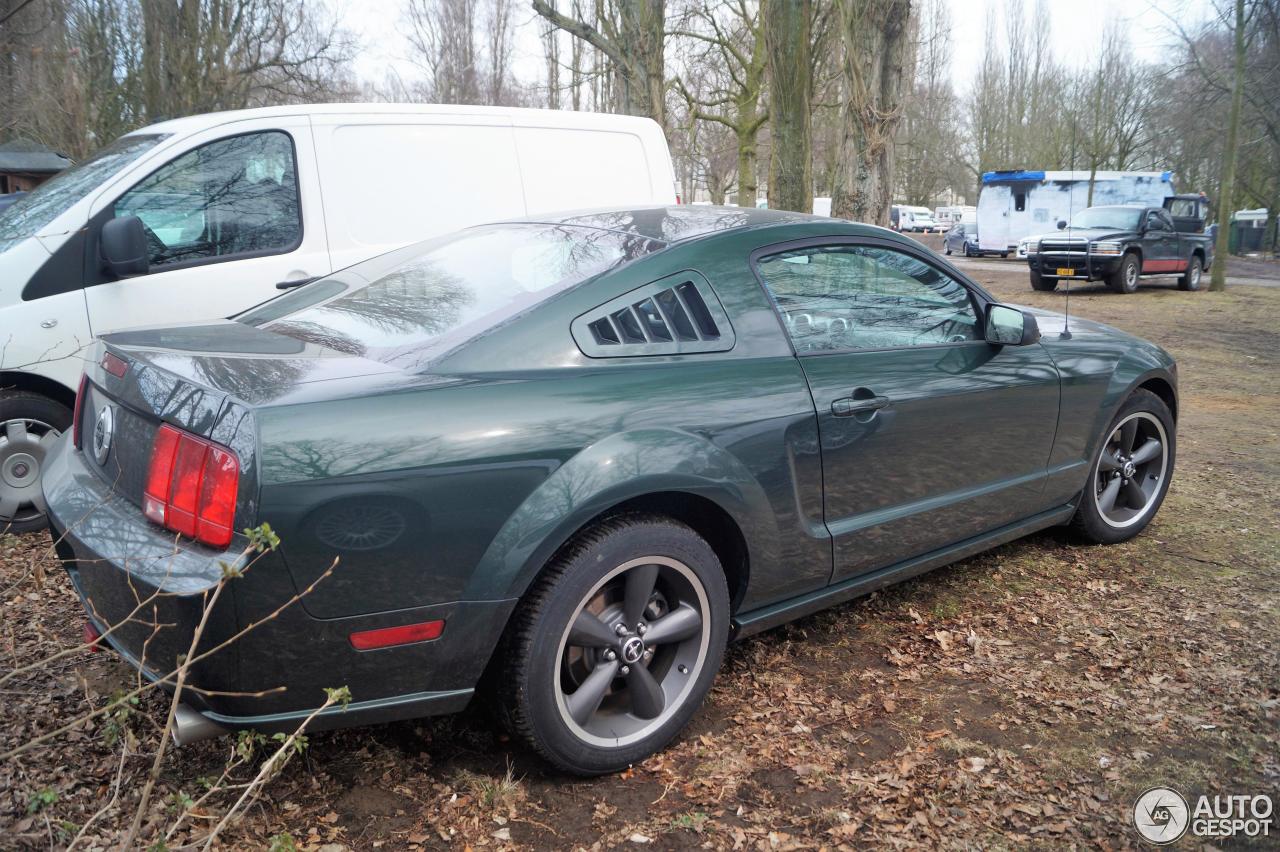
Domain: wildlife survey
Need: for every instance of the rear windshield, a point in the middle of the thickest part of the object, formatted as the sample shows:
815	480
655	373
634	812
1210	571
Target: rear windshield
411	306
32	212
1115	218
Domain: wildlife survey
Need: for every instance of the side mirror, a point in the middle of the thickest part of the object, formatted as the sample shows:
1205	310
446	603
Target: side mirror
1008	326
123	244
1062	224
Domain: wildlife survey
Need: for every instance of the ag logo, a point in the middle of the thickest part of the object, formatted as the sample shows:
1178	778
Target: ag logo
1161	815
103	432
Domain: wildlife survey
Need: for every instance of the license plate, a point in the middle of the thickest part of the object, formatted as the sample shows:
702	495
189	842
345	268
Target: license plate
1066	270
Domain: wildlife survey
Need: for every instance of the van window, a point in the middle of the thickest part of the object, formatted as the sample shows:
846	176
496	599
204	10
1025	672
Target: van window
38	208
1020	201
233	197
571	168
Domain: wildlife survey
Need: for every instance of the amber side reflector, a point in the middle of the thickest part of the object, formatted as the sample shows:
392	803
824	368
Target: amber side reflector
366	640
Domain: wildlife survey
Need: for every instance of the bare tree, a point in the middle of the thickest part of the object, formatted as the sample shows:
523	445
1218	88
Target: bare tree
1218	277
631	34
732	42
879	56
787	28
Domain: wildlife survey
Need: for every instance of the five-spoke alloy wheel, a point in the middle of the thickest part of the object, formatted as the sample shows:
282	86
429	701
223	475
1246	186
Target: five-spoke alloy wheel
1131	471
617	644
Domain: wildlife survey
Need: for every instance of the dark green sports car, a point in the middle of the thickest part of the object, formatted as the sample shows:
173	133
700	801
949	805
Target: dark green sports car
562	462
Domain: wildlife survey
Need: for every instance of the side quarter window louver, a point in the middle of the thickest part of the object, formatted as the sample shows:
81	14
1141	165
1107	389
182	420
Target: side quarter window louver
676	315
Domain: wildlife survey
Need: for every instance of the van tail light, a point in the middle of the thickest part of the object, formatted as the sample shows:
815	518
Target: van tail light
79	410
191	486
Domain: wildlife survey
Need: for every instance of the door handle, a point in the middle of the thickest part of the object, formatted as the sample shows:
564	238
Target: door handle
850	405
289	285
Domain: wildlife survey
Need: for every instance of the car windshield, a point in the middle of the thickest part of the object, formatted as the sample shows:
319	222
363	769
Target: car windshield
1114	218
32	212
412	305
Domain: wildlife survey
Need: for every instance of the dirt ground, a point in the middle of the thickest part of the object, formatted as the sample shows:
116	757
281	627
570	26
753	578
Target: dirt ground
1027	694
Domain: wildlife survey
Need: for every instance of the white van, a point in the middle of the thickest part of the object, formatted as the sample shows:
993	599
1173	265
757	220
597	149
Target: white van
206	216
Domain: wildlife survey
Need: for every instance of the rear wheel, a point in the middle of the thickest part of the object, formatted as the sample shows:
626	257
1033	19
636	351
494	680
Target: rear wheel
616	646
29	426
1131	472
1004	255
948	251
1125	278
1190	279
1042	284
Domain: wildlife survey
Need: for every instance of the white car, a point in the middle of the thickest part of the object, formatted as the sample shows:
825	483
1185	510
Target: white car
205	216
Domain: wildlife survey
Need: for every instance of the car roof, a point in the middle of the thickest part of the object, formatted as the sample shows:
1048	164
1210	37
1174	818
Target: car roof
671	224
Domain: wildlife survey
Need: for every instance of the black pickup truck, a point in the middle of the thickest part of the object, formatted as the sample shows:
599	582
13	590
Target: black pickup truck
1123	244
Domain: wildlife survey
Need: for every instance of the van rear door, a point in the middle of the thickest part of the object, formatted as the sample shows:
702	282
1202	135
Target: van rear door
230	214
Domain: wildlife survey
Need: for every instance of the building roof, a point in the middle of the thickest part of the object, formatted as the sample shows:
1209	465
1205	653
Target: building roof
21	155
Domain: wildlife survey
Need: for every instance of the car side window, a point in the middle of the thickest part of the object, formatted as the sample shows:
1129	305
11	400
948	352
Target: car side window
1155	222
232	197
842	297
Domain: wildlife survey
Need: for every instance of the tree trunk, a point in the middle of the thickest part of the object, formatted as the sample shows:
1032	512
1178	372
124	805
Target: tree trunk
1226	199
748	186
879	47
787	42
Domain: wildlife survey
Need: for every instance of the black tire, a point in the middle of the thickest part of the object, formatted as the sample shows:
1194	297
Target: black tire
948	251
1091	522
1004	255
968	252
1043	285
21	452
539	654
1125	278
1191	279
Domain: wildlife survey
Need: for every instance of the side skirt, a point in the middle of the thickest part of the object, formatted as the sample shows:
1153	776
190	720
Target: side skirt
766	618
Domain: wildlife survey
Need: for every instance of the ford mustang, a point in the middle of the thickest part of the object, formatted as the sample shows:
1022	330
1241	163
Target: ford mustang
562	463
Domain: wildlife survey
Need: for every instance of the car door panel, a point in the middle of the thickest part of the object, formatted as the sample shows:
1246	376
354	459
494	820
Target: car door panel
959	448
929	435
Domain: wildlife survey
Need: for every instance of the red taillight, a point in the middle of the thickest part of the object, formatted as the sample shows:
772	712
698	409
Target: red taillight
78	410
366	640
191	486
91	636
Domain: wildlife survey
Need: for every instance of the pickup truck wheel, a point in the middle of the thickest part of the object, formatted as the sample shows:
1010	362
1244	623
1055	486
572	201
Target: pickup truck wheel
29	426
1042	284
1131	471
1125	278
1190	279
615	647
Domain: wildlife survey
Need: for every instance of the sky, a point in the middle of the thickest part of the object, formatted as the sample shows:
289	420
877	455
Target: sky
1075	25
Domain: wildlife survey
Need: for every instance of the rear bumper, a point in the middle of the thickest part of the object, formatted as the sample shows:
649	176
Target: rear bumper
135	575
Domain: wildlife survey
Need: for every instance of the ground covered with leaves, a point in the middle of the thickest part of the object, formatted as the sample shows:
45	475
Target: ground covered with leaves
1028	694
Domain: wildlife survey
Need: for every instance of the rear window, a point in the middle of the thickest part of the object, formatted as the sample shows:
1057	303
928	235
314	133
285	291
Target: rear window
411	306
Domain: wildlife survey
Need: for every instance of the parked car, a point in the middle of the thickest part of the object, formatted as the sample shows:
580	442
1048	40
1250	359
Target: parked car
205	216
1121	245
580	454
922	220
963	238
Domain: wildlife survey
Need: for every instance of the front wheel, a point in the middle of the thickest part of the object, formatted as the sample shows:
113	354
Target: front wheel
29	426
1125	278
615	647
1131	472
1190	279
1043	285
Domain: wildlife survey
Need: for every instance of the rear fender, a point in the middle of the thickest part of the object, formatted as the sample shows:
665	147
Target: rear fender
619	468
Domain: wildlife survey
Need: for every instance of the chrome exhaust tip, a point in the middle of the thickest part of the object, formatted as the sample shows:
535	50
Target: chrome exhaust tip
192	726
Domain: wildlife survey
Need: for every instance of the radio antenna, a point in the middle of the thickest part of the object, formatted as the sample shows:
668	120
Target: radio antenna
1071	215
